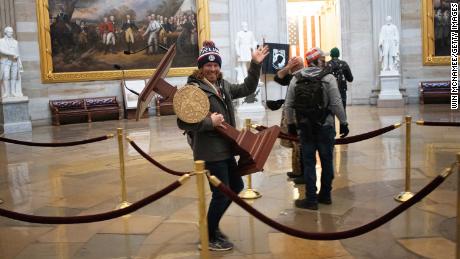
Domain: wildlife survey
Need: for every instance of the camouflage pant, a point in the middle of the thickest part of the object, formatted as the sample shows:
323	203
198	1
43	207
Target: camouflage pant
296	157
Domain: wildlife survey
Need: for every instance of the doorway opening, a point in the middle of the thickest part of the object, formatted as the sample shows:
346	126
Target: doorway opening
313	23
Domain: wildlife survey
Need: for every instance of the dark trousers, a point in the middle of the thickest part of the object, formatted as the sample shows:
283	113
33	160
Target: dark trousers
323	142
225	170
343	95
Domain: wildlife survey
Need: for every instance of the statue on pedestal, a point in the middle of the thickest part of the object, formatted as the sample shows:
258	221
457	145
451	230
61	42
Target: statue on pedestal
10	65
245	43
389	46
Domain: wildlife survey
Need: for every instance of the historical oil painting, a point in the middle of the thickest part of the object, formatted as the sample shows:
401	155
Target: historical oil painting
94	35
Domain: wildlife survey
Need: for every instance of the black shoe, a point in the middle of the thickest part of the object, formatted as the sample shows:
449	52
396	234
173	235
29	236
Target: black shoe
293	175
304	204
220	235
219	245
299	180
325	200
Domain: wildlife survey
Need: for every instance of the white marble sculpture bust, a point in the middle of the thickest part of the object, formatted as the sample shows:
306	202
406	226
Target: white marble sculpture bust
389	46
10	65
244	44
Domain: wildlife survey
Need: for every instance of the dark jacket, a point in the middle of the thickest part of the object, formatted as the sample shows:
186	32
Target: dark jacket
283	81
127	25
207	144
336	65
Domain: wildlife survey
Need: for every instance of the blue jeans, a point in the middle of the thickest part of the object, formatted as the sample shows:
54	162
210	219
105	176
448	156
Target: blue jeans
225	170
323	142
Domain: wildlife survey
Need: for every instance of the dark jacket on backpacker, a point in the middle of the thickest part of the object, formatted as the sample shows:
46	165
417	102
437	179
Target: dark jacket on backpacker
331	97
341	71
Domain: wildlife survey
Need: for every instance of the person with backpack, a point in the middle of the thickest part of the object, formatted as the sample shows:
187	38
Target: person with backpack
312	102
342	73
283	77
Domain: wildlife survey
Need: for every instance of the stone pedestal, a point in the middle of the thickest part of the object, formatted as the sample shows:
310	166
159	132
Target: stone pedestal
14	115
390	96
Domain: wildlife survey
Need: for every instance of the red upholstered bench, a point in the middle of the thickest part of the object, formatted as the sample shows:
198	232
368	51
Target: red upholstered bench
87	108
434	92
101	107
67	108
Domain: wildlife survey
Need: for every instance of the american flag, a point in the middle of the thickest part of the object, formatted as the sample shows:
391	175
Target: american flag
304	33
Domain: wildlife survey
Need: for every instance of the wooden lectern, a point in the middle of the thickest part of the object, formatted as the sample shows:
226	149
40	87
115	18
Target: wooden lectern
252	148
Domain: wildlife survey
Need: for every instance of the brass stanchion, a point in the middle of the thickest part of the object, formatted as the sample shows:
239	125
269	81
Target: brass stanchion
407	194
121	153
249	193
204	239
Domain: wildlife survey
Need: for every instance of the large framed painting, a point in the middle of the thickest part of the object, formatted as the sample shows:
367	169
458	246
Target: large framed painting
436	31
82	40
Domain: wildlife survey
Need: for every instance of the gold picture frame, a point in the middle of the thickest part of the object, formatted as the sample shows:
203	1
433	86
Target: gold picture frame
428	28
49	75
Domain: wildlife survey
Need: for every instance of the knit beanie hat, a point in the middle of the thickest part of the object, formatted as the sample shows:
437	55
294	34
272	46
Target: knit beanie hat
314	54
335	53
209	53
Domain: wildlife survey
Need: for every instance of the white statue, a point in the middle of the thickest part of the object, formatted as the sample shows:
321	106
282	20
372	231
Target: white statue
10	65
244	44
389	46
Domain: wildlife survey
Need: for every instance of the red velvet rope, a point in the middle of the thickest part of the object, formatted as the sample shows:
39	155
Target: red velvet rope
61	144
340	141
333	235
154	162
91	218
439	123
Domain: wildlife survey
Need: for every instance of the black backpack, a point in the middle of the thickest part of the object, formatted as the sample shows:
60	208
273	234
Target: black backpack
310	109
336	68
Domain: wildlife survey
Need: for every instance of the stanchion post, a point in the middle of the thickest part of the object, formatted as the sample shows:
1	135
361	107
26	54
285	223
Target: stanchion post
407	194
200	179
249	193
458	206
121	153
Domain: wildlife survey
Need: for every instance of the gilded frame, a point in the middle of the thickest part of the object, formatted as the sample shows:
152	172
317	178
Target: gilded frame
46	63
429	57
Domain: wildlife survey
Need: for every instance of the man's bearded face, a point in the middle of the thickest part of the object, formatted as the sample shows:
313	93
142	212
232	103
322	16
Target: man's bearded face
211	71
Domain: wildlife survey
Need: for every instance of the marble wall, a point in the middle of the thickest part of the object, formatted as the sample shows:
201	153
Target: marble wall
357	49
413	70
359	45
7	14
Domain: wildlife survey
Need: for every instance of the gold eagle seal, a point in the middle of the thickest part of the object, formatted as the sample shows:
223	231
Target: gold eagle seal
191	104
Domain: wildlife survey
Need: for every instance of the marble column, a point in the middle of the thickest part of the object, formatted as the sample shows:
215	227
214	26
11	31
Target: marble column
357	47
7	15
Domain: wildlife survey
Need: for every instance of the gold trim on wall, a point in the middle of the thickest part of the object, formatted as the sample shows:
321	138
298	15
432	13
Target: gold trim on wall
429	57
46	62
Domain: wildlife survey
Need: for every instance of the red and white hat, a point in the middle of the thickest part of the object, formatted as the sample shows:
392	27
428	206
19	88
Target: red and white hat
314	54
209	53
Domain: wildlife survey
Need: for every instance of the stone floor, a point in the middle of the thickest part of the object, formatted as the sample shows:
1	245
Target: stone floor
86	179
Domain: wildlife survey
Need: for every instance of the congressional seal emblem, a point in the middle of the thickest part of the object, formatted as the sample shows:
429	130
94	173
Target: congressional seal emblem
191	104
